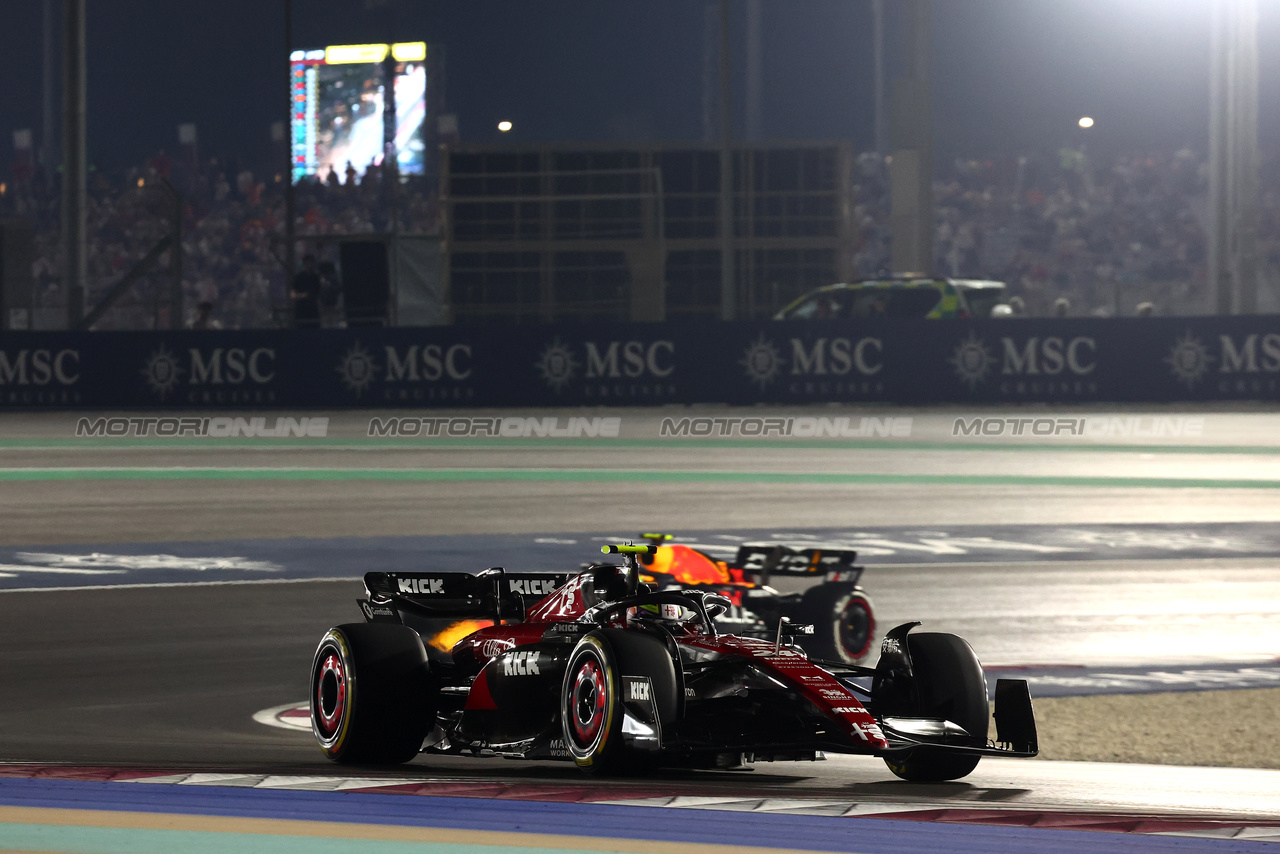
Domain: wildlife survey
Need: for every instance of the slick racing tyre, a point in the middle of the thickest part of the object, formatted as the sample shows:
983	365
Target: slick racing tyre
951	686
591	706
843	620
373	698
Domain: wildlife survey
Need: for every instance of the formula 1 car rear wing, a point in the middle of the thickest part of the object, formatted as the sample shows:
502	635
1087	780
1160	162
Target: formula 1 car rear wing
765	560
492	594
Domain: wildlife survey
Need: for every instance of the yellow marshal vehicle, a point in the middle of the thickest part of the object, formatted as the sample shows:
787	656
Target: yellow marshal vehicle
900	296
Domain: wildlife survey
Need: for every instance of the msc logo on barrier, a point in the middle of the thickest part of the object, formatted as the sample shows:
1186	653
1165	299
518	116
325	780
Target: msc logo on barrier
1190	361
39	367
610	369
1050	357
411	373
39	376
213	375
821	357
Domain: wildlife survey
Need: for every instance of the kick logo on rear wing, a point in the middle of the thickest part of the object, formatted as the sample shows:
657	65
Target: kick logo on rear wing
462	594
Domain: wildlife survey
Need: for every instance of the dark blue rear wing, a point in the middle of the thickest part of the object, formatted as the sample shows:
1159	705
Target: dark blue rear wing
765	560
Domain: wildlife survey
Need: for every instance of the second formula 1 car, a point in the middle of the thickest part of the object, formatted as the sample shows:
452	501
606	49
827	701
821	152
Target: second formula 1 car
839	610
602	670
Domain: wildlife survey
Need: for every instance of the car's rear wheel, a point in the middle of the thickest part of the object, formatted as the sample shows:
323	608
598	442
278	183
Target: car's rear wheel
373	699
951	686
591	706
843	620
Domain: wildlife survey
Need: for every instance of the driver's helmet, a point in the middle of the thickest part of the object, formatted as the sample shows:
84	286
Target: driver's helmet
667	613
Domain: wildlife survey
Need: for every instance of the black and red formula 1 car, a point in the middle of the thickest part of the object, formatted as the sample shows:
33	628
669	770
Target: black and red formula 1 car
840	611
603	670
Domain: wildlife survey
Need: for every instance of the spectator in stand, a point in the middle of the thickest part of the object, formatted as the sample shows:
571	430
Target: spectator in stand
1061	307
204	318
244	182
1092	231
330	287
306	295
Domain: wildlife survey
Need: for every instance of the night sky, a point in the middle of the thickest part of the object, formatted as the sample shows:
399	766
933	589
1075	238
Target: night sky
1009	75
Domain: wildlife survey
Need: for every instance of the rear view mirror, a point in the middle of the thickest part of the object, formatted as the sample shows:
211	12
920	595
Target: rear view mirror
513	610
716	604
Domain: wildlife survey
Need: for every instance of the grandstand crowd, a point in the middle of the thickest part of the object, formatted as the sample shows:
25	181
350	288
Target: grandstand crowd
1069	232
232	230
1106	235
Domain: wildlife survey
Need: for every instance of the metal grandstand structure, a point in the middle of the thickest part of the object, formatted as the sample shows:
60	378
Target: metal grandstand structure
595	233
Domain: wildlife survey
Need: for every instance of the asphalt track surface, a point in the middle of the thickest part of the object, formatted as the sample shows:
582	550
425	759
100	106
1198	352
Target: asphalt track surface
171	676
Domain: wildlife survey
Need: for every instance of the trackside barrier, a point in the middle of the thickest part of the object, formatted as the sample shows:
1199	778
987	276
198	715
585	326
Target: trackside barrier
904	361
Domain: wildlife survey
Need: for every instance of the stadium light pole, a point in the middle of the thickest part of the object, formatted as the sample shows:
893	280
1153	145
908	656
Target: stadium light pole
1219	260
878	76
755	71
74	161
290	248
911	171
728	275
47	145
1233	156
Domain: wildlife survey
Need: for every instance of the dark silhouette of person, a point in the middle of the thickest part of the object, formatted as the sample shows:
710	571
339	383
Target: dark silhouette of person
306	295
204	318
330	287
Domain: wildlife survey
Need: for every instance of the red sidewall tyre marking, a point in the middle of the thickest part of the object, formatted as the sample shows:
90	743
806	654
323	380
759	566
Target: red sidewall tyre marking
588	702
331	695
589	708
859	603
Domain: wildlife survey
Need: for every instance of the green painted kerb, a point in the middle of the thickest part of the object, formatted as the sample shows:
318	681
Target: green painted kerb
585	475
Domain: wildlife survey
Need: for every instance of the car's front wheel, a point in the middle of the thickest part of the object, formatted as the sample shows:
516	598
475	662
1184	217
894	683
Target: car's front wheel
950	685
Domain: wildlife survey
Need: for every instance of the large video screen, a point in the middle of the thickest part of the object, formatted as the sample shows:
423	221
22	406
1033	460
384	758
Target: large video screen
339	105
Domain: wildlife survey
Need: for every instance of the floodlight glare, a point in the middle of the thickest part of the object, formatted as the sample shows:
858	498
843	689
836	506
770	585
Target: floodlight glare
350	54
409	51
504	126
1086	122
